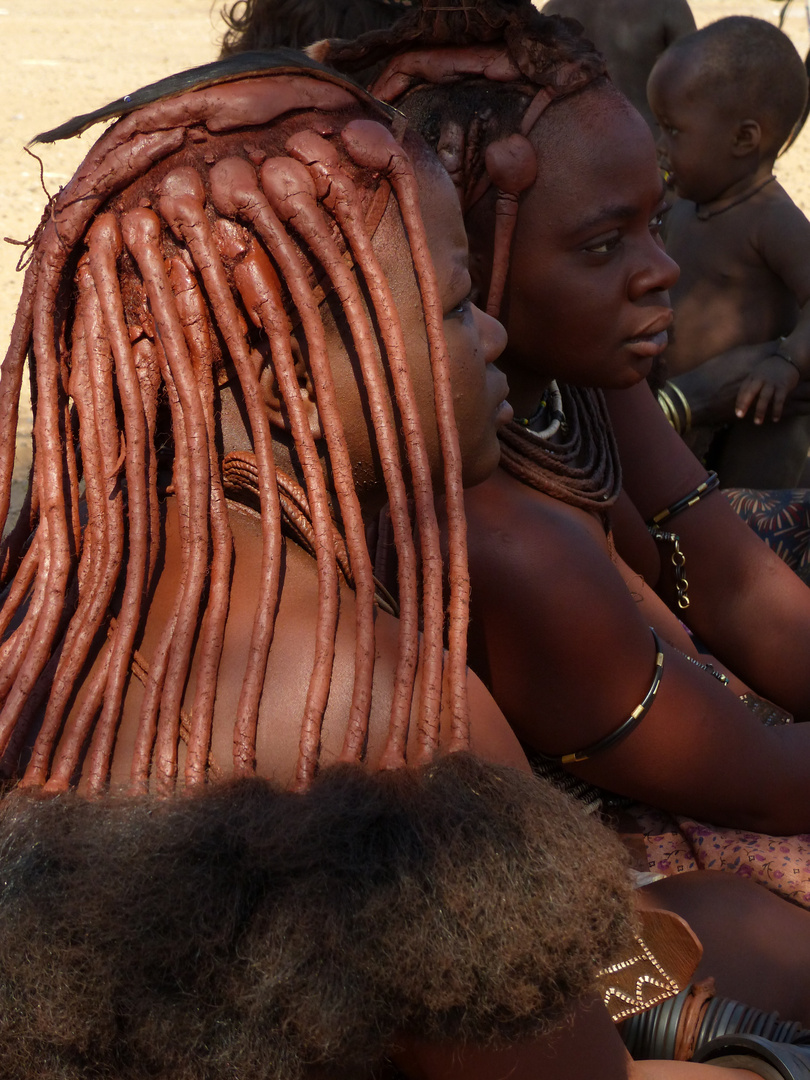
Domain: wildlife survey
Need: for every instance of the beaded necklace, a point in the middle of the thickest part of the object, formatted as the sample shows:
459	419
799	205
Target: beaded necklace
582	469
551	399
705	215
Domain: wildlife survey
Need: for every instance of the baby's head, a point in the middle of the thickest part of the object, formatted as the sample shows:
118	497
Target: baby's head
726	99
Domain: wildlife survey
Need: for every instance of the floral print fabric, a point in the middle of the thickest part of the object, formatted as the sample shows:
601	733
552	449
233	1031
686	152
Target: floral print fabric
781	519
675	845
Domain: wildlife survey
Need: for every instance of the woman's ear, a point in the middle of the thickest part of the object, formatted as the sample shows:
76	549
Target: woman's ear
747	138
276	410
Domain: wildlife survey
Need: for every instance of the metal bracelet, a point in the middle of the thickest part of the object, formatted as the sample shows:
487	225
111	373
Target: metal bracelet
678	559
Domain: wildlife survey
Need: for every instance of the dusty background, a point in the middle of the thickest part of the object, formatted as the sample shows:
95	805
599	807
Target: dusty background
72	56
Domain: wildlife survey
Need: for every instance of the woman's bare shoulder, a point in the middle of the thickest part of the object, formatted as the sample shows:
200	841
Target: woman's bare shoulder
513	529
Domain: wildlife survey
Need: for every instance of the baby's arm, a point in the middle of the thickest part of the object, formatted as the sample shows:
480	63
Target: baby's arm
783	243
770	383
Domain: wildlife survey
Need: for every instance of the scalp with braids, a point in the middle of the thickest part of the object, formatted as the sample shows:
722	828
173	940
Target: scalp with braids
475	77
265	24
198	229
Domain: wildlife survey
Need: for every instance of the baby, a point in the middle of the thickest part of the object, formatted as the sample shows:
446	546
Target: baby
726	99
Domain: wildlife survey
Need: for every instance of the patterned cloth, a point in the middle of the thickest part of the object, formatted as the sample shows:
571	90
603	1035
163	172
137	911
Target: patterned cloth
782	519
668	844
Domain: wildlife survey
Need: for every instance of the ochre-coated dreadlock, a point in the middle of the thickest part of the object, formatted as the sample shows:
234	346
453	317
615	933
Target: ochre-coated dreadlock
199	229
475	76
482	144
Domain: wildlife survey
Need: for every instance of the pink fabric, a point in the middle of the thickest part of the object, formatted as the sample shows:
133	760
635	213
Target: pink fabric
676	845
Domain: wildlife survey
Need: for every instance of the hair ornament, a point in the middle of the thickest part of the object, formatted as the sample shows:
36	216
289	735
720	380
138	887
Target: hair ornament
511	165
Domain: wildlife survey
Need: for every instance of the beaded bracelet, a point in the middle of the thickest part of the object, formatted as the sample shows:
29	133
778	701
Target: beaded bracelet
703	489
709	668
621	732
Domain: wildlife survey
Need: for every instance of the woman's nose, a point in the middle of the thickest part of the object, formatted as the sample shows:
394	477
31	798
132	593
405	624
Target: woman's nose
658	274
492	335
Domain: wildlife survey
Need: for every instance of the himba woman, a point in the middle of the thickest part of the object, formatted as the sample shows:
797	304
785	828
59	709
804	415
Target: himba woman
248	326
577	544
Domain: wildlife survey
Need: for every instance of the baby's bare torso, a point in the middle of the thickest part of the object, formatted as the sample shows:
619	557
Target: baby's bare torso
727	294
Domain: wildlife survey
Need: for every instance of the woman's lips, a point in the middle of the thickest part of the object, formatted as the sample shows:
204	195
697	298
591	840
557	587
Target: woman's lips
653	340
648	345
504	413
503	410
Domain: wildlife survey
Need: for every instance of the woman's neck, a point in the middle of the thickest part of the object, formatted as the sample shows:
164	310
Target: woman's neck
526	389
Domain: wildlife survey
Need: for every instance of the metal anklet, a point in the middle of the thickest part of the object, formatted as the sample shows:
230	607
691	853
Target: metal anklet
621	732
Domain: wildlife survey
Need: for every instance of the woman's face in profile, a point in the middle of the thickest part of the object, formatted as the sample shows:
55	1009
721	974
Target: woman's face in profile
474	340
587	298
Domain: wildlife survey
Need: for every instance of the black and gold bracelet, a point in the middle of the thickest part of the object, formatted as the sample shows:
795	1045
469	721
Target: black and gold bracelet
621	732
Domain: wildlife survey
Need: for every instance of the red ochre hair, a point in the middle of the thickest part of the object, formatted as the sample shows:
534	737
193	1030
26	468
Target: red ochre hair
474	77
172	248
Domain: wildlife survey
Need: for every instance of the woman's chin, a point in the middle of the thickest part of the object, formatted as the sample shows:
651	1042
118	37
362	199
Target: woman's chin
636	371
482	468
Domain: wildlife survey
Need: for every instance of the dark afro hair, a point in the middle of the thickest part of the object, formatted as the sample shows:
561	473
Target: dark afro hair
249	932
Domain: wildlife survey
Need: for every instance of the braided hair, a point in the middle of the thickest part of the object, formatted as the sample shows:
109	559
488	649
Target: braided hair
266	24
199	228
474	77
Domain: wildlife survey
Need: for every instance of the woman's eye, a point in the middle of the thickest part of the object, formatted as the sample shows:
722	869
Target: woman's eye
670	130
657	220
460	310
604	245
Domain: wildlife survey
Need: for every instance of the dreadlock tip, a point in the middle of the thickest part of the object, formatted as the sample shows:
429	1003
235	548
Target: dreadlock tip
318	50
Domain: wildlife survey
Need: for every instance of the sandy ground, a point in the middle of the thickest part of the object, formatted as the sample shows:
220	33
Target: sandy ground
86	54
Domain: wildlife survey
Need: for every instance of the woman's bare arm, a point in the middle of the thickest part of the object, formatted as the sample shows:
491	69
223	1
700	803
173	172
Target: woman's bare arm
747	606
569	656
